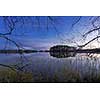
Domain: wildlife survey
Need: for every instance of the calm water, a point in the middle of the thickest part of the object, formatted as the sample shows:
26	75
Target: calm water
52	64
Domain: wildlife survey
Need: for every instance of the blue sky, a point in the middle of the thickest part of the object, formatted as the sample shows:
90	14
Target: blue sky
42	33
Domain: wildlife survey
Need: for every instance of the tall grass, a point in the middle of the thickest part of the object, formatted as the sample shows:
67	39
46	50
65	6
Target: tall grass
8	75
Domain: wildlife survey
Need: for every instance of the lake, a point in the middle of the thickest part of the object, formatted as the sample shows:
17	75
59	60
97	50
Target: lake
50	67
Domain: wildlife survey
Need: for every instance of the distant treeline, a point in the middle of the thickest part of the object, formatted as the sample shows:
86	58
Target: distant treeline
96	50
17	51
58	48
67	49
22	51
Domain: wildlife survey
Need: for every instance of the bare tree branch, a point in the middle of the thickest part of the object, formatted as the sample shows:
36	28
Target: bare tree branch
76	22
90	31
81	46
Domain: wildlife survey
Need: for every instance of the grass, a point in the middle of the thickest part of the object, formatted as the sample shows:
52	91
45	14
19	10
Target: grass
10	76
66	75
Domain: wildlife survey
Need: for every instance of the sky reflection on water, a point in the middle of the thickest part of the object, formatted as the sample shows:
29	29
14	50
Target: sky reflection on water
46	64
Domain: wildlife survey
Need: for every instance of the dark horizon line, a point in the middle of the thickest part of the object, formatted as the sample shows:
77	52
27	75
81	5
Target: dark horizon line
95	50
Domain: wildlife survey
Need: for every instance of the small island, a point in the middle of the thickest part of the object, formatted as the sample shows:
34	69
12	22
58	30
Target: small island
62	48
67	49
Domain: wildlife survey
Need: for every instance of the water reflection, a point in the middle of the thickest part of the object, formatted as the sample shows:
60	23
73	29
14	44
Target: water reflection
62	54
53	67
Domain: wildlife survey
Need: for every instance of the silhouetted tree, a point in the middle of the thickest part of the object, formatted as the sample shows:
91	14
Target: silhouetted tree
93	23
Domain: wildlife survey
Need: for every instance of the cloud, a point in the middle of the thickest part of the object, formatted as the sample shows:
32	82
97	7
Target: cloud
39	44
